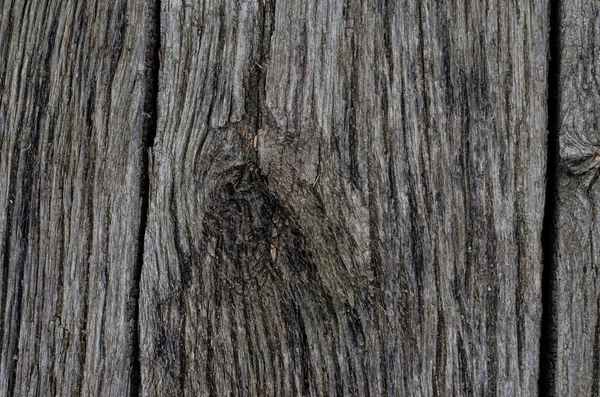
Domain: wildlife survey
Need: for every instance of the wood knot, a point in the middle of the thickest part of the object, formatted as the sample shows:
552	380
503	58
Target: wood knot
581	165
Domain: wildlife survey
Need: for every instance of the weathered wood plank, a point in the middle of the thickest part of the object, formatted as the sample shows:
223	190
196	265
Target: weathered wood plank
346	199
577	228
73	86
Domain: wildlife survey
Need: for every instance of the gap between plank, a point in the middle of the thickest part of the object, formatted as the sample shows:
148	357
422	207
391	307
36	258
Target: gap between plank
548	341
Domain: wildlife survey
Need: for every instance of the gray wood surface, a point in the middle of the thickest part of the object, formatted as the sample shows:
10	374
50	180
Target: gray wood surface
577	229
346	199
73	82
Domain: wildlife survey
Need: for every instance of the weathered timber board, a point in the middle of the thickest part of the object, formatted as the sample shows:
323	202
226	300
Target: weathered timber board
74	83
576	294
346	199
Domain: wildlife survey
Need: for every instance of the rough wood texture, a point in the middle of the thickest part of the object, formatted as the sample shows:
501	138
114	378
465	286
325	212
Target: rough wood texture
346	199
577	232
73	86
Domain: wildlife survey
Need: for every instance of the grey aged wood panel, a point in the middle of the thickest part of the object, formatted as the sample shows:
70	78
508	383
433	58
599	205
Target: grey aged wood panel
346	199
577	229
74	80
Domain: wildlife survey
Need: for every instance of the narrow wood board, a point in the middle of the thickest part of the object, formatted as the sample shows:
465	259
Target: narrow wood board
74	86
576	294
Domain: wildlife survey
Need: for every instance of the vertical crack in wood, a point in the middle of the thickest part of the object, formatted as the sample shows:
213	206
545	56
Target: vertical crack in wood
266	18
149	133
596	363
548	341
352	105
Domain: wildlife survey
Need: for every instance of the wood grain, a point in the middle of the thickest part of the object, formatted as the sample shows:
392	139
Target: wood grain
346	199
74	86
576	286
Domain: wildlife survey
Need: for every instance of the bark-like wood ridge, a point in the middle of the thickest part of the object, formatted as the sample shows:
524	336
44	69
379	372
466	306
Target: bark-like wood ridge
346	199
334	198
73	87
577	228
